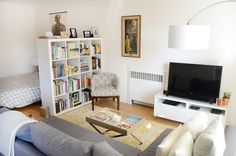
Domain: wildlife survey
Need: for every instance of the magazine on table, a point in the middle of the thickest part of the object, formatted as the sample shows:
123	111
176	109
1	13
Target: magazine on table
130	121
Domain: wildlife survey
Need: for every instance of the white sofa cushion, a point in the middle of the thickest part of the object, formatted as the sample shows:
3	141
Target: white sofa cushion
196	124
164	148
183	146
211	141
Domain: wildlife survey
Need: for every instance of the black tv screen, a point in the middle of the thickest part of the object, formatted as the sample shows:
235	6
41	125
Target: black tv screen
194	81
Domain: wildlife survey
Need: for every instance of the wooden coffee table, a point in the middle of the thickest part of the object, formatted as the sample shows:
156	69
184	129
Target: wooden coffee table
109	119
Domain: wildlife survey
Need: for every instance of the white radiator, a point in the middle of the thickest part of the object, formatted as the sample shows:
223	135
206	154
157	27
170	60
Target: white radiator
142	86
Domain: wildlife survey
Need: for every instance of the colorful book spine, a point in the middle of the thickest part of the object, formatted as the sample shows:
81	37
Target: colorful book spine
74	84
60	87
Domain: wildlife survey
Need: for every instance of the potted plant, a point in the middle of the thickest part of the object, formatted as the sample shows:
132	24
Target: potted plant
226	98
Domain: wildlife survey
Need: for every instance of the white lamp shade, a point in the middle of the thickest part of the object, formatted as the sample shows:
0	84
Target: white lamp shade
194	37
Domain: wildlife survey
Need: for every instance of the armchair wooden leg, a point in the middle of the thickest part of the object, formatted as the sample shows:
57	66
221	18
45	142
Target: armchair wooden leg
92	104
118	103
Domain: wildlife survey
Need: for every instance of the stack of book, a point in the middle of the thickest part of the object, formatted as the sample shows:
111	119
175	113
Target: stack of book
61	105
59	70
84	66
96	63
86	81
73	51
74	84
58	52
86	95
72	69
60	87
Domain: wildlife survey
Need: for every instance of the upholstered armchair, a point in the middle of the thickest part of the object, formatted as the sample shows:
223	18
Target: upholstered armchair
104	85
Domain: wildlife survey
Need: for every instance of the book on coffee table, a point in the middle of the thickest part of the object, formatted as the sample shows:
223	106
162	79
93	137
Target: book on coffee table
103	116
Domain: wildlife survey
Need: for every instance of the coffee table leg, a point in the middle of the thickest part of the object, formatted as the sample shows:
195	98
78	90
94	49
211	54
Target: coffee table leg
96	128
140	142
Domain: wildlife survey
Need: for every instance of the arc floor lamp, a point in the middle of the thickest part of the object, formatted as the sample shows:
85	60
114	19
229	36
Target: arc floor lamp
190	36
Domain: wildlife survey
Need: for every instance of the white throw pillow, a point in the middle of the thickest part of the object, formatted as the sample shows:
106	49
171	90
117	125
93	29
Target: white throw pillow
211	141
183	146
164	148
196	124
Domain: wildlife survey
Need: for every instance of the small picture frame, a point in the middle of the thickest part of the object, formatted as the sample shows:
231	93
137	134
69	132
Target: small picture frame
95	32
87	33
73	33
64	34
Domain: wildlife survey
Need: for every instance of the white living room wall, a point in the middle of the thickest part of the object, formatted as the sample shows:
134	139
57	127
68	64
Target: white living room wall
157	15
17	38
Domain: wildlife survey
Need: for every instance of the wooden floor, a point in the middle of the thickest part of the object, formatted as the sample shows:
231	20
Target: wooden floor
147	112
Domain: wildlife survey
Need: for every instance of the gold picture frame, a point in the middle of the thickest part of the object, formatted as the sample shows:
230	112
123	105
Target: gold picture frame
130	36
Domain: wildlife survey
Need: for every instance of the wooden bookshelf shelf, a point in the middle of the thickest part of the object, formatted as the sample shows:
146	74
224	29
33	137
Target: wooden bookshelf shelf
66	67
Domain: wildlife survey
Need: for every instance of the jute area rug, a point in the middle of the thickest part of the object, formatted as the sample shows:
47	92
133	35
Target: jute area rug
147	133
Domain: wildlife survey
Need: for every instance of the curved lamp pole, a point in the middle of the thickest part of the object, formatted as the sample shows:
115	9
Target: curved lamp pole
194	37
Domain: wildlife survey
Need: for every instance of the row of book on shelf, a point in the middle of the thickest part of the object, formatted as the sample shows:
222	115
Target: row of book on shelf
61	105
74	84
73	51
86	95
58	52
96	63
86	81
59	70
60	87
74	100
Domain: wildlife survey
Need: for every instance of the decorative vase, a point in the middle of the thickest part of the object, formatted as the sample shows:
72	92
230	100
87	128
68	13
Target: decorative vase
225	102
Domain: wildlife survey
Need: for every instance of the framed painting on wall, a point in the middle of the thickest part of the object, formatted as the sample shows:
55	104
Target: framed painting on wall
130	35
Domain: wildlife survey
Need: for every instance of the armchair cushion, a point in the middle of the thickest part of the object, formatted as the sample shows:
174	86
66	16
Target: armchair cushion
104	91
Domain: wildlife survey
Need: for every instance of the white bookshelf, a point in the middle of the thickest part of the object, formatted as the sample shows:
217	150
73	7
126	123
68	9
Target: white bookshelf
183	112
65	70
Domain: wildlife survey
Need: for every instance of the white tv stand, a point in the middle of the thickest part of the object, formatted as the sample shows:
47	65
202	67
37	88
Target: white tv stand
182	112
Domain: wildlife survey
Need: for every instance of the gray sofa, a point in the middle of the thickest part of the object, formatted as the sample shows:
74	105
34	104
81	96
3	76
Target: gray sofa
25	148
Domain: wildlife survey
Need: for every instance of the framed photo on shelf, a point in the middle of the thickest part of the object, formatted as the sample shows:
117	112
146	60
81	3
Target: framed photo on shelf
131	36
73	33
87	33
95	32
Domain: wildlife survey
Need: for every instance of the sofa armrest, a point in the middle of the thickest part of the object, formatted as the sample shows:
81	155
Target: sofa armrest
151	149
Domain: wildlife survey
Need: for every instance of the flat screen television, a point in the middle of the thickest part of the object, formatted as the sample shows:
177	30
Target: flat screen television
194	81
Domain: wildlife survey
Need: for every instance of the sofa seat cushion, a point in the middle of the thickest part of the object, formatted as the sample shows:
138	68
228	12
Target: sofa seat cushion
25	148
87	135
53	142
104	149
